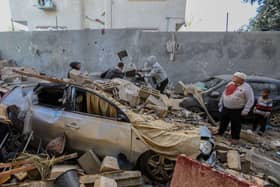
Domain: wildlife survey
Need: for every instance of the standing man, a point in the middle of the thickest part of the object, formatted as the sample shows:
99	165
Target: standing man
236	101
157	73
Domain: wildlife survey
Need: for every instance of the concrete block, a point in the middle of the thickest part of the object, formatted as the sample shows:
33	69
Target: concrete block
109	164
89	162
105	182
233	160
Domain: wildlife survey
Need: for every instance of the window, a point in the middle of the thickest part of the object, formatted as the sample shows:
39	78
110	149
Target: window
90	103
50	96
259	86
45	4
207	84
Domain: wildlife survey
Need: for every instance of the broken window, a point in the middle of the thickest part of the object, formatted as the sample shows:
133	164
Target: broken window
50	96
45	4
91	103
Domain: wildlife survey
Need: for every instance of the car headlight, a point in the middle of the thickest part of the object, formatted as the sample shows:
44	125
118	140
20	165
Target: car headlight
206	147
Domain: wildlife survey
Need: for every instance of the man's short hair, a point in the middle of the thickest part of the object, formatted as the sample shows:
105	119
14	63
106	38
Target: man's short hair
266	90
120	64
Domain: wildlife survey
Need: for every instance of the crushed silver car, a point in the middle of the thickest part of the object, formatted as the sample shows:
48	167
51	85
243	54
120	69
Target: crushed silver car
91	119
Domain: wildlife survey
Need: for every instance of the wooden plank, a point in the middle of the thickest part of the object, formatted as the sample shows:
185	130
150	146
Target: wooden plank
89	83
29	167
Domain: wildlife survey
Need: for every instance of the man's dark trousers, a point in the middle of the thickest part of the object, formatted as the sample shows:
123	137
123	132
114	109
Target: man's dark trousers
233	116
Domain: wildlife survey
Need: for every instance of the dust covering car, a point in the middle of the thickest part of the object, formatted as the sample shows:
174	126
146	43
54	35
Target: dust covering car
92	119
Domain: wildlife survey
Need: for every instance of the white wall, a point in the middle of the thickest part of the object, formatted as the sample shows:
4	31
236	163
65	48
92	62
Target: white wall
81	14
146	13
68	13
5	16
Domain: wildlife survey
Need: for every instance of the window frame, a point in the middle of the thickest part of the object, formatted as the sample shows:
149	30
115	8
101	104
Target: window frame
257	94
64	106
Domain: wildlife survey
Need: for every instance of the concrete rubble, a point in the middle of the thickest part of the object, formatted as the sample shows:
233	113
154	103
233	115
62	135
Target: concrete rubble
254	159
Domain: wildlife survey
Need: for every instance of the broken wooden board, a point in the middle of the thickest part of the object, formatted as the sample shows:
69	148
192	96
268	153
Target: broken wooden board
30	166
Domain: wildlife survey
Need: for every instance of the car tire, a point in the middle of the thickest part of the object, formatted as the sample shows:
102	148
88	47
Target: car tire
156	167
275	119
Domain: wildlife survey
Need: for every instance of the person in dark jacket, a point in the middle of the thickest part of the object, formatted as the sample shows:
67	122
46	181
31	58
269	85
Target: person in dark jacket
116	72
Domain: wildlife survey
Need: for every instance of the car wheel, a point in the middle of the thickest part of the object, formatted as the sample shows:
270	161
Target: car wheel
275	119
156	167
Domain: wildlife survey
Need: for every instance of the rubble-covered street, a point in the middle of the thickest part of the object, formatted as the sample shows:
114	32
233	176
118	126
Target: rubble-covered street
139	93
85	152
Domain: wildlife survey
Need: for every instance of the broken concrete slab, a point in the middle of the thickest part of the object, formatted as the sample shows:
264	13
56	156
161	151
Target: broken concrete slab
109	164
263	163
123	178
105	182
233	160
89	162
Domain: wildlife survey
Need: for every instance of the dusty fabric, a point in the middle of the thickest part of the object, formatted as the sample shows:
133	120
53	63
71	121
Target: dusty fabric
98	106
165	138
158	135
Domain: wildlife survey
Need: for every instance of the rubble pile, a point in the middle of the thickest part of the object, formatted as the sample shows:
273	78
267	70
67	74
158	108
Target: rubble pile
255	159
9	79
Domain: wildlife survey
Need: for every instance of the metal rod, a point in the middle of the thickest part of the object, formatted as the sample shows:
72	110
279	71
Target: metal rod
227	22
28	141
4	140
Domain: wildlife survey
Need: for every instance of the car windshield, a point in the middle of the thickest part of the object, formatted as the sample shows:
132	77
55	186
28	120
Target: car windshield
207	84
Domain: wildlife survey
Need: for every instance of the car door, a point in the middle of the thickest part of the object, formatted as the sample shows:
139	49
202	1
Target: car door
89	125
47	109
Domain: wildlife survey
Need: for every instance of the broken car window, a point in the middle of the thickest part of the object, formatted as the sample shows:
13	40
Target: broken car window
50	96
207	84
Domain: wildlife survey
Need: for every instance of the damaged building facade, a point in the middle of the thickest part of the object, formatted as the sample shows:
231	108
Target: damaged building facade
157	15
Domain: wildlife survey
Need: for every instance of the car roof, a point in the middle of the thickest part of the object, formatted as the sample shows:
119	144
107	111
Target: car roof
228	77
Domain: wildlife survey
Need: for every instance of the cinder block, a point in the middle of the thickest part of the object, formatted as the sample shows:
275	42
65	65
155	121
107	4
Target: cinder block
233	160
89	162
109	164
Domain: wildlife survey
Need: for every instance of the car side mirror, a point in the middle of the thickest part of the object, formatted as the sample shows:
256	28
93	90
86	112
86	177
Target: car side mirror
215	94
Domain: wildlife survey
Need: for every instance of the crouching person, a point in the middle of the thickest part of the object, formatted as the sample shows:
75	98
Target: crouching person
262	111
